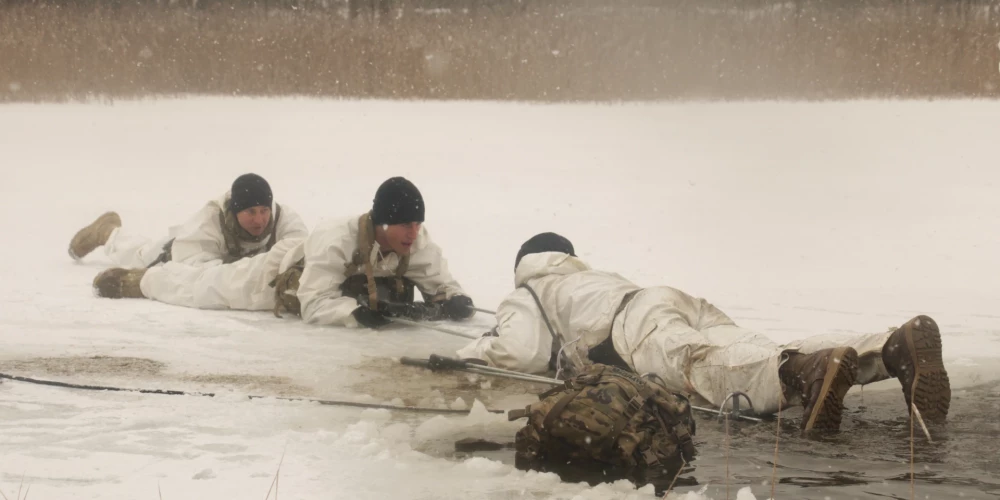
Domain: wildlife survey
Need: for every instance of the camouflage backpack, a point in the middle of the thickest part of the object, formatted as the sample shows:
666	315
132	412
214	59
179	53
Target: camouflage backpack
285	285
606	424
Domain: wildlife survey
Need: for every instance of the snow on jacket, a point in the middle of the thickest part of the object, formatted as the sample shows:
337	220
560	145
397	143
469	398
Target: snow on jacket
580	303
328	252
200	240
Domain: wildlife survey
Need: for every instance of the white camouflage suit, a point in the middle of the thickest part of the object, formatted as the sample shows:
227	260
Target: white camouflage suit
328	251
687	341
199	241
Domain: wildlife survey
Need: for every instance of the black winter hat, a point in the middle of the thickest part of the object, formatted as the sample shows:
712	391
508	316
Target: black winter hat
397	201
250	190
544	242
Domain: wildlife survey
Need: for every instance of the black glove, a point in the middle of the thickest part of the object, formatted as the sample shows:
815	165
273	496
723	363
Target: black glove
370	319
458	307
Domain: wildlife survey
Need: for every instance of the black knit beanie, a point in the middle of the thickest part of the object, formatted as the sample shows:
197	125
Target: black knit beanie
397	201
544	242
250	190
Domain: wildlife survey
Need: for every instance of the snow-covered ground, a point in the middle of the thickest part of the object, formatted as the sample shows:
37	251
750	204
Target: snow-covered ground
797	219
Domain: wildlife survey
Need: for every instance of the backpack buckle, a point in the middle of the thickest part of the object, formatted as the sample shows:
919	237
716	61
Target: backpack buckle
685	443
634	405
517	413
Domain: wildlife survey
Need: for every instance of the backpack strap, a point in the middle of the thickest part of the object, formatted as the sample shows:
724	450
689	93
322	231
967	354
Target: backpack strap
517	413
366	241
631	408
165	255
274	228
362	260
558	408
573	387
404	264
545	317
685	441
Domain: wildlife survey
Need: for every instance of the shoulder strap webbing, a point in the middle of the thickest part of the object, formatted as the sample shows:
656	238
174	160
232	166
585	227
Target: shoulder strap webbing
366	240
274	227
558	408
362	259
545	317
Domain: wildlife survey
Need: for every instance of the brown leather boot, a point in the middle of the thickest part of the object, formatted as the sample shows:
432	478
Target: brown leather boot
913	355
119	283
821	379
94	235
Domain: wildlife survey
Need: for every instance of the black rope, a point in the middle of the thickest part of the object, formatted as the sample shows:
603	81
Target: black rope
101	387
326	402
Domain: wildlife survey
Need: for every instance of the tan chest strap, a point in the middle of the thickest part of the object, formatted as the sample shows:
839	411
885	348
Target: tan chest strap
362	257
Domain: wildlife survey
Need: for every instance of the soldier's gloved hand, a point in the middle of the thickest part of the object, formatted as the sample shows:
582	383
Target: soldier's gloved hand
368	318
458	307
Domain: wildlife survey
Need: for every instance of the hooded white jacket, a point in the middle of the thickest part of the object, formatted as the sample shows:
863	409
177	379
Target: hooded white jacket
579	302
200	240
328	252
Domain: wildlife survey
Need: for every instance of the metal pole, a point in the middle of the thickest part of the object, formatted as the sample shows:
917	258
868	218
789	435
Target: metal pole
500	372
516	376
435	328
441	363
486	370
709	410
494	369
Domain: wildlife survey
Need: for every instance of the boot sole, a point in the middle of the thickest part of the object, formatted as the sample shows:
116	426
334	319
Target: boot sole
81	235
841	372
931	388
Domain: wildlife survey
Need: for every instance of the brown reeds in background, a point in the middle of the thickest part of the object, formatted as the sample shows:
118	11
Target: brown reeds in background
547	51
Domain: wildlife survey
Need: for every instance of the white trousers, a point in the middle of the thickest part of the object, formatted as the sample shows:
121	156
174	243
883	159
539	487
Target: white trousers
698	350
244	284
132	251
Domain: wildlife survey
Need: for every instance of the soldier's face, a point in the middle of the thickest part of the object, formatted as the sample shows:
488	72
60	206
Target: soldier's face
254	219
401	237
